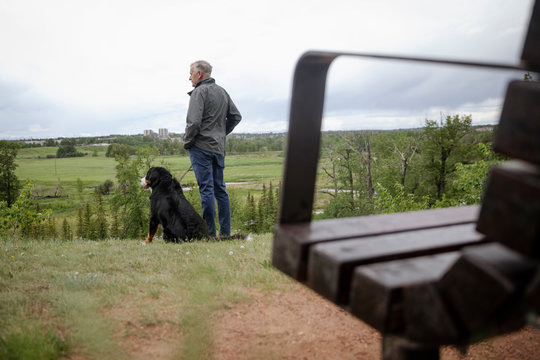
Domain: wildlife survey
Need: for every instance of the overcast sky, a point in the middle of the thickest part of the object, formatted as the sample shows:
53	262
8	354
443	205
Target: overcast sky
89	68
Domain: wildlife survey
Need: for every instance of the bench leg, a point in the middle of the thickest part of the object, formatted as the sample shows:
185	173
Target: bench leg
398	348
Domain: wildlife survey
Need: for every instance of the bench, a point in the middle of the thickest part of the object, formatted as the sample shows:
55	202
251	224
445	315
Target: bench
427	278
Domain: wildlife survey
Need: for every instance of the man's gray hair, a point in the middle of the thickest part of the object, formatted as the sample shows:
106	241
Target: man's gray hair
202	66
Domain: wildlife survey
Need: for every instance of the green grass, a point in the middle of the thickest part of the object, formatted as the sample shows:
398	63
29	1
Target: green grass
60	298
93	170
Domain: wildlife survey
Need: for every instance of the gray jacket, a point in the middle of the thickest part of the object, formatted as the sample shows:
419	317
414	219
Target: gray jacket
211	116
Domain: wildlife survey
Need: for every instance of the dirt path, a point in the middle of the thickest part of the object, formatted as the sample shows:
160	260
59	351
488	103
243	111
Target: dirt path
292	324
301	325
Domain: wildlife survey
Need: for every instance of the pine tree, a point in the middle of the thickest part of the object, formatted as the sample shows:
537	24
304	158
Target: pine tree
88	225
36	230
252	214
80	224
262	212
9	183
114	231
101	221
67	234
271	206
51	228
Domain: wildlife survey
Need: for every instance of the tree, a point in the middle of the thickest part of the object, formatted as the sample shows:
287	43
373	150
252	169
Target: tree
351	174
23	215
105	188
442	142
88	226
101	221
51	228
250	214
398	201
262	211
115	150
9	184
130	200
470	179
115	229
67	149
67	234
80	224
405	147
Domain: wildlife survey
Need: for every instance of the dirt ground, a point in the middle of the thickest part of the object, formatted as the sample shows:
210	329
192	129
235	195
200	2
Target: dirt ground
301	325
295	324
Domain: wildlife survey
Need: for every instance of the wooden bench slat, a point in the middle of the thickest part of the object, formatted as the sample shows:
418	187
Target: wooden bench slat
428	319
331	264
292	241
483	281
532	295
377	289
511	210
531	51
517	134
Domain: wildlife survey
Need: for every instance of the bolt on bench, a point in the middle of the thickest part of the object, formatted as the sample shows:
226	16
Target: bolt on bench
428	278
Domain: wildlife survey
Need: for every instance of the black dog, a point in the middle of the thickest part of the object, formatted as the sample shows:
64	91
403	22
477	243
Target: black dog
170	208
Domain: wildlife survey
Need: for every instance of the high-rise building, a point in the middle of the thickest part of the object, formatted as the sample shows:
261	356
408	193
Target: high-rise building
163	133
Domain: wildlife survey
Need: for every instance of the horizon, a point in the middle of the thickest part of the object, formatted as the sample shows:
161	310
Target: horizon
234	134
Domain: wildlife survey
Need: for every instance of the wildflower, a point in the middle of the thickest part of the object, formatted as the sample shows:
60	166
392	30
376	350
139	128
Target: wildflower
231	253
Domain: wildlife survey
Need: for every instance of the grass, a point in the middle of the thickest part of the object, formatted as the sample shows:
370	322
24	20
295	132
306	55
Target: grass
66	298
94	170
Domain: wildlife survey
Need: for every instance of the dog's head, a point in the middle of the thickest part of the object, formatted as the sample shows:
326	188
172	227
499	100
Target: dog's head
155	176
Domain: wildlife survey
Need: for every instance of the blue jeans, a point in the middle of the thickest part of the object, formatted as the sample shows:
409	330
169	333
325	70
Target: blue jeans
208	168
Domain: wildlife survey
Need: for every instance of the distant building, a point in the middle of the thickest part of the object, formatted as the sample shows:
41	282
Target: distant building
150	133
162	134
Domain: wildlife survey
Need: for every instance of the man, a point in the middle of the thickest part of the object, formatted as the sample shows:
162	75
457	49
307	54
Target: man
211	116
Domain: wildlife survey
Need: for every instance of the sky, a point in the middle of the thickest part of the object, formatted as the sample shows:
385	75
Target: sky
71	68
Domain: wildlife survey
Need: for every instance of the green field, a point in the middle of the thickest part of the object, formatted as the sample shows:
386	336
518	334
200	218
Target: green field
93	170
51	176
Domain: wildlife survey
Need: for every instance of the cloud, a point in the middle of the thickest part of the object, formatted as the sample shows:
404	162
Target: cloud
100	67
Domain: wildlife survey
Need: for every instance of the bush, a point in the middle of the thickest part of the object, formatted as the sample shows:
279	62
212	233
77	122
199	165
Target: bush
105	188
23	215
67	149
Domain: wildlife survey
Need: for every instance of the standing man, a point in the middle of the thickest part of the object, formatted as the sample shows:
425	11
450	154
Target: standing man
211	116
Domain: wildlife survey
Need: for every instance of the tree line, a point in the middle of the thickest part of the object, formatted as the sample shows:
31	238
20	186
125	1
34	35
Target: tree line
236	144
443	164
